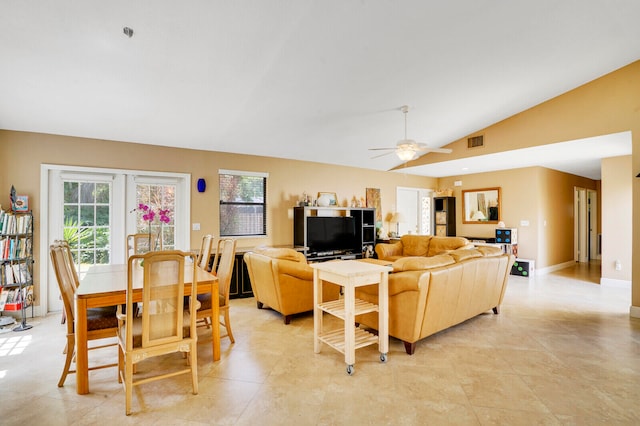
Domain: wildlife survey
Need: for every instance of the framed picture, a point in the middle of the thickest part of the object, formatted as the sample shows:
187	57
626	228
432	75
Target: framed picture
326	199
373	200
21	204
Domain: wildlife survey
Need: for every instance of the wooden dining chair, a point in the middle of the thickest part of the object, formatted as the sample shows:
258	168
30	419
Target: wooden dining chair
101	322
65	243
142	243
205	252
225	254
164	326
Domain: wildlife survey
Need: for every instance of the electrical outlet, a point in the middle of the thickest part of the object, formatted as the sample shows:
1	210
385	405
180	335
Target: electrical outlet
195	227
524	223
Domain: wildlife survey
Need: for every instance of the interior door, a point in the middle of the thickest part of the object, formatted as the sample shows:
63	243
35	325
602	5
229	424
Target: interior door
581	226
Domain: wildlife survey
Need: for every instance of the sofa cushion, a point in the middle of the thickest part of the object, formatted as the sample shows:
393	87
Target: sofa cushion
416	263
415	245
440	245
490	251
281	253
464	254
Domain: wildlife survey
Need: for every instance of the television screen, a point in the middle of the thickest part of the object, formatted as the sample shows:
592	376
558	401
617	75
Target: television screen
331	233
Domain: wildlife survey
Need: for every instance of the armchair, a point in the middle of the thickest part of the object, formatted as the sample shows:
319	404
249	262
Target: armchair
282	280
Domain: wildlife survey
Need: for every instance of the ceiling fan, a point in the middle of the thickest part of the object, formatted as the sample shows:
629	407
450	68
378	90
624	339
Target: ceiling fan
408	149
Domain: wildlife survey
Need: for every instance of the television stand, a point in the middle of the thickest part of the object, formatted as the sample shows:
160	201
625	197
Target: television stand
321	245
324	256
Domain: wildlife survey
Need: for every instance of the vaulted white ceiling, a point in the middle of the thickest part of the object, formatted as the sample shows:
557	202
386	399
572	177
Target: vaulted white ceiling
309	80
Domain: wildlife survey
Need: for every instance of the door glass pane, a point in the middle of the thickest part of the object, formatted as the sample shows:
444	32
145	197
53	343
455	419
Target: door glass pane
87	215
161	200
71	192
87	192
102	193
87	222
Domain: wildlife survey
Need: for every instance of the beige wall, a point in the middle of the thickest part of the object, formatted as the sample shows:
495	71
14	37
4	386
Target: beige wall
288	179
617	218
610	104
540	196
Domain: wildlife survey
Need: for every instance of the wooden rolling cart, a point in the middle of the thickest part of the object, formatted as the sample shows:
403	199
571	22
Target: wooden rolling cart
351	274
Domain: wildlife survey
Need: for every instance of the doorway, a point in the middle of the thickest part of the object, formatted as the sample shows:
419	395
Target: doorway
586	238
95	208
414	206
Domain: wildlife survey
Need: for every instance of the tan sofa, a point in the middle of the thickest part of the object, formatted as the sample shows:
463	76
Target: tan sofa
430	294
282	280
419	245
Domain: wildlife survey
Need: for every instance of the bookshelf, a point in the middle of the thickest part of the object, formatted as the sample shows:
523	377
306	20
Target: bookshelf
16	264
445	216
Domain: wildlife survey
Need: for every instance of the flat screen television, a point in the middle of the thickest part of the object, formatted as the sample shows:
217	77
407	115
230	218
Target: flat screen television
326	233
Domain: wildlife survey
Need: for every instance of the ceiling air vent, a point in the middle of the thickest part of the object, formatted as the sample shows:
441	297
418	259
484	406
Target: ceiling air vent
475	142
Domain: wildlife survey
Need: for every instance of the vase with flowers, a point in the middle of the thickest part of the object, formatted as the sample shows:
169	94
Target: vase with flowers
149	215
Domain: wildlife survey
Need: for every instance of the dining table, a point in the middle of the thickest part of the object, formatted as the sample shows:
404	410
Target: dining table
106	285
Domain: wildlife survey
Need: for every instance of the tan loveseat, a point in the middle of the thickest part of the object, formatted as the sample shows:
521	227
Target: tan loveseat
430	294
419	245
282	280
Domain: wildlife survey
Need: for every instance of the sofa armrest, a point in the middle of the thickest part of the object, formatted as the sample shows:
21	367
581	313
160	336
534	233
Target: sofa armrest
295	269
387	250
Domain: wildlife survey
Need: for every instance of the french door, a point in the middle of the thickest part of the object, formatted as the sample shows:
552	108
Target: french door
94	210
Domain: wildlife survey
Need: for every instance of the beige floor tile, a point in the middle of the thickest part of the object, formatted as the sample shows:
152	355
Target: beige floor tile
561	351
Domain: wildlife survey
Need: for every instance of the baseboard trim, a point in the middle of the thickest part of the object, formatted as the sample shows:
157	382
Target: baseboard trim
552	268
611	282
634	311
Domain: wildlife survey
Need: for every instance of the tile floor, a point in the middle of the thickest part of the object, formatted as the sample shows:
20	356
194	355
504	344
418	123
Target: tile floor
563	350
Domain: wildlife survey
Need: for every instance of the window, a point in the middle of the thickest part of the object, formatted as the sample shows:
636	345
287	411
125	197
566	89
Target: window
243	206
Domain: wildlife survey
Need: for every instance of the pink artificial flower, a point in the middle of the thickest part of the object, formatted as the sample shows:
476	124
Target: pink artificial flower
164	216
149	216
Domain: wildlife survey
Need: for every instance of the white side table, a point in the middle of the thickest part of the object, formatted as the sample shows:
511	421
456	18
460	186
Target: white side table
351	274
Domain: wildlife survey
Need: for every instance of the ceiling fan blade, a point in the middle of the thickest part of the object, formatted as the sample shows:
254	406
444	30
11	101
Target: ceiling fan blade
425	149
382	155
407	149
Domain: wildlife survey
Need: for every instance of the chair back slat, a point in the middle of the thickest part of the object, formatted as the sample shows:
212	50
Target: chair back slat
66	283
205	252
142	243
163	293
227	253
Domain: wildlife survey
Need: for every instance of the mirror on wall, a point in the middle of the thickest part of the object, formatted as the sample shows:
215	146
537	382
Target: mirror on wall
481	205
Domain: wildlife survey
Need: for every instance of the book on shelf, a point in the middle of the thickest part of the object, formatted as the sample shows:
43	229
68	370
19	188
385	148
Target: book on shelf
21	273
11	223
8	274
4	294
28	295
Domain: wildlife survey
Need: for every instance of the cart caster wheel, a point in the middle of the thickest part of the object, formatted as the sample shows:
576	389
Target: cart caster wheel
350	370
383	357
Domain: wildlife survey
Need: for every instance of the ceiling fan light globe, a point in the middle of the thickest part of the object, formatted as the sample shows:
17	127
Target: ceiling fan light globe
406	154
406	144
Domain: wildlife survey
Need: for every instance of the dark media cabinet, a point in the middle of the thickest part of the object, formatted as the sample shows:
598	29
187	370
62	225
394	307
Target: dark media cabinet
347	236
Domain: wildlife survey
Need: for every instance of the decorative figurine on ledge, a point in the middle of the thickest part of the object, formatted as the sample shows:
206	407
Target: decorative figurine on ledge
382	234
